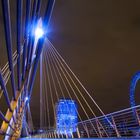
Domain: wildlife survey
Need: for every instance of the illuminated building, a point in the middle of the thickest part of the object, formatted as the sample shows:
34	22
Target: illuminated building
66	116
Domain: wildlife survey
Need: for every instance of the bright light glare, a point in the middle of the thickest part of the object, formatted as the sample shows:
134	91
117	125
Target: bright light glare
39	32
26	99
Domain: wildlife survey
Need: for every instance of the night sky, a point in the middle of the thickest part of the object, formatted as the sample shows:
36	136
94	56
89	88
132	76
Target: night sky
100	41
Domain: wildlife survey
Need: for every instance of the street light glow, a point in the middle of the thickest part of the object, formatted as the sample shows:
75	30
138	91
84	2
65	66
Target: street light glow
26	99
39	32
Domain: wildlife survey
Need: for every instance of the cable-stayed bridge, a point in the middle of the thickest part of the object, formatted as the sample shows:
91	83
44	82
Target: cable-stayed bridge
67	109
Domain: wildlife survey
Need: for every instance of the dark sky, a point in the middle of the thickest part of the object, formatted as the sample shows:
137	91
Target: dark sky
99	39
100	42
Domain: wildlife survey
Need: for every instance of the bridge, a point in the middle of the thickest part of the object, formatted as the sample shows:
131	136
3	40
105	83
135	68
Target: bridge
67	109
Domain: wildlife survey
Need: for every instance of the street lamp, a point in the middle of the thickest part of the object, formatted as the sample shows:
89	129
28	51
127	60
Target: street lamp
38	31
26	99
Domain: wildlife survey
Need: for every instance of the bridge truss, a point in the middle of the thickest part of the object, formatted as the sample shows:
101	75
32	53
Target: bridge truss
25	58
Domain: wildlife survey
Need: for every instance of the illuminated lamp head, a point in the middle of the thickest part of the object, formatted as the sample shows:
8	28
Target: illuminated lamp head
26	99
39	30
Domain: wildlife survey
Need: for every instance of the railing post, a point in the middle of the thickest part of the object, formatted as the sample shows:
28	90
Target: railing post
72	135
55	135
78	133
103	128
47	135
51	135
115	127
98	127
137	116
62	135
87	130
66	134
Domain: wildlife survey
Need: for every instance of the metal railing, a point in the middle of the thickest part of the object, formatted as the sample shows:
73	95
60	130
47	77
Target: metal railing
126	123
123	123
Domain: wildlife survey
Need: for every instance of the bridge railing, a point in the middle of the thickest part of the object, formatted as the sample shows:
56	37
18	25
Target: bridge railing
124	123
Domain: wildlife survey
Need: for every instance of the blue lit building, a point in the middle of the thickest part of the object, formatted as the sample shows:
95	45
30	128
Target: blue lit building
66	116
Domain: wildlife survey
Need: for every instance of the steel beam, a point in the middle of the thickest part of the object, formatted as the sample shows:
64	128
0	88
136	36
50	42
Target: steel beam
19	35
13	104
5	91
36	61
31	37
36	11
26	35
41	97
8	38
48	13
34	24
47	16
3	117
